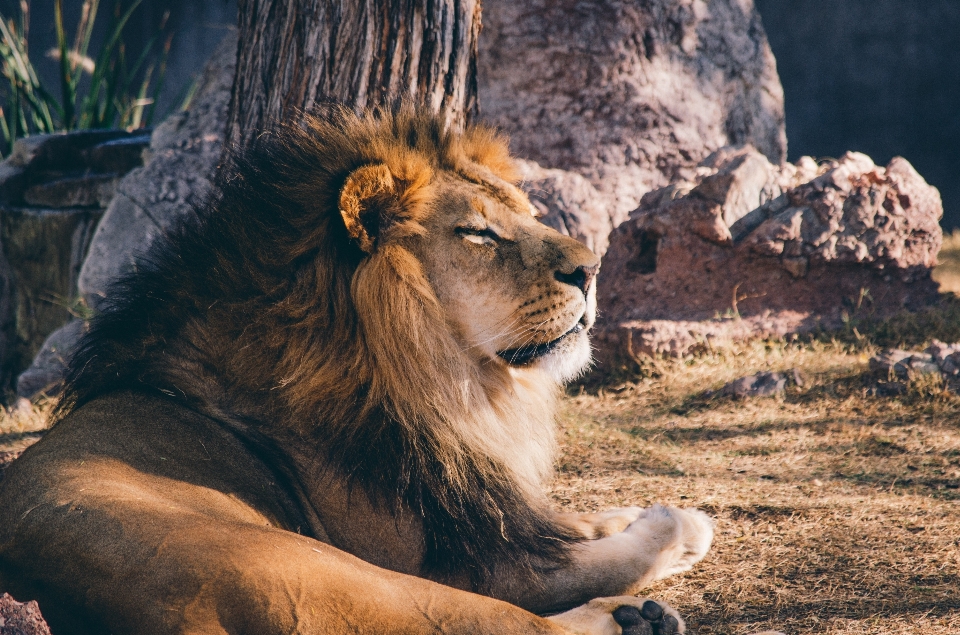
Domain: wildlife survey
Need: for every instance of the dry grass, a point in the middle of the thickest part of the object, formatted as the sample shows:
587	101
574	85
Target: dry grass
20	426
948	271
837	512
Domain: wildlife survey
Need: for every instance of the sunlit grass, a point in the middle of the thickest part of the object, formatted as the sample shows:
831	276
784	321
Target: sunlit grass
947	272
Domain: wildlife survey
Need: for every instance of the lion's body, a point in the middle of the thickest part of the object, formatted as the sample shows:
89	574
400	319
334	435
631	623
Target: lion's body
326	406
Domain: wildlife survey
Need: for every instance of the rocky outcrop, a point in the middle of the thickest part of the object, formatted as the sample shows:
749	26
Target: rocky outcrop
178	175
749	248
21	618
629	95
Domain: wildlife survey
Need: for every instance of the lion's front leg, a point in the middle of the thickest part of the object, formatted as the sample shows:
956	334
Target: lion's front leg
658	542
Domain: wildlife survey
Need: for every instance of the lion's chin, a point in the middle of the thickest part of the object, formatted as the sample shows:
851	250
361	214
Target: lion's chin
569	360
563	359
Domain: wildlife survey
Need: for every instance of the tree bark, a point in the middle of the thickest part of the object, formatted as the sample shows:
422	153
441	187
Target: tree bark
293	54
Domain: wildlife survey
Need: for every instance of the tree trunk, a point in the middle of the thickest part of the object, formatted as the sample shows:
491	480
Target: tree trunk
293	54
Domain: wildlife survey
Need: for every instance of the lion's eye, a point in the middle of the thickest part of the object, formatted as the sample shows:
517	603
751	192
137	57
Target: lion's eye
478	236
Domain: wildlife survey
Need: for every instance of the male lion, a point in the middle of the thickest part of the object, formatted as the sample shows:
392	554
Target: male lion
326	406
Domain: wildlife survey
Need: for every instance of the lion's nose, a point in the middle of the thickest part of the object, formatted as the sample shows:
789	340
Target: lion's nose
580	278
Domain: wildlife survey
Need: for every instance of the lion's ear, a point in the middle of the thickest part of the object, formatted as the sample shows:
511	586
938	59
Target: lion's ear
365	197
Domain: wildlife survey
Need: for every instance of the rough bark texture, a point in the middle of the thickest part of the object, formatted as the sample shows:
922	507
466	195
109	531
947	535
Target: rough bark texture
751	249
630	95
296	53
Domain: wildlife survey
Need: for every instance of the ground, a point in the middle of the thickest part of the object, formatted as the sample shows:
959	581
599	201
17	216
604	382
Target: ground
838	511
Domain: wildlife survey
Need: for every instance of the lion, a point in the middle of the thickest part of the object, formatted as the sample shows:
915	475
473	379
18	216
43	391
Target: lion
326	405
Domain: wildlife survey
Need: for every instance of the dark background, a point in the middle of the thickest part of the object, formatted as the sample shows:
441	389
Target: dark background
197	25
876	76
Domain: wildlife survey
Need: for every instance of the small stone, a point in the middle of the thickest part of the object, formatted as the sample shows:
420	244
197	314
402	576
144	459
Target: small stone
951	364
886	360
796	267
760	385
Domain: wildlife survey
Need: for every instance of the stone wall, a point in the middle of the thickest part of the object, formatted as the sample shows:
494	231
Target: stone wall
53	191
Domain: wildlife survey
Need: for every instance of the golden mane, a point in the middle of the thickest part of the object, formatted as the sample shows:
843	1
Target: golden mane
265	314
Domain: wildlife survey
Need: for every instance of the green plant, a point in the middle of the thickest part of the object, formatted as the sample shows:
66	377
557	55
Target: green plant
117	93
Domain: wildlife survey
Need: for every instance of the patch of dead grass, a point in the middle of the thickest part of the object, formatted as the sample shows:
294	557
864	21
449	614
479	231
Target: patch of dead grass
837	512
947	273
20	426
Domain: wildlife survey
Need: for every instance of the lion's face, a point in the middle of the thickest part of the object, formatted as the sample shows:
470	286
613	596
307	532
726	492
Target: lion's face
516	292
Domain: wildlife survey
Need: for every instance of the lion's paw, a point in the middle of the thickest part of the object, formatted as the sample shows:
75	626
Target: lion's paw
684	536
622	616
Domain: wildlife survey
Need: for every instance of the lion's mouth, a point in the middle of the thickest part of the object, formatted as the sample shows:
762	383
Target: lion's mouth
529	353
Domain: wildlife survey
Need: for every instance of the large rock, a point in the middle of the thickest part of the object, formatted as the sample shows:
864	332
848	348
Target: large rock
45	375
177	176
568	203
749	248
21	618
630	95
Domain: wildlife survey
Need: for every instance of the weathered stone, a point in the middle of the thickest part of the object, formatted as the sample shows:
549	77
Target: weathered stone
117	156
94	190
885	361
748	249
61	150
631	95
45	376
568	203
938	358
18	618
178	176
759	385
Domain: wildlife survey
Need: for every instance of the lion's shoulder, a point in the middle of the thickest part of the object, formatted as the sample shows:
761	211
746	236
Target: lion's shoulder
128	444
